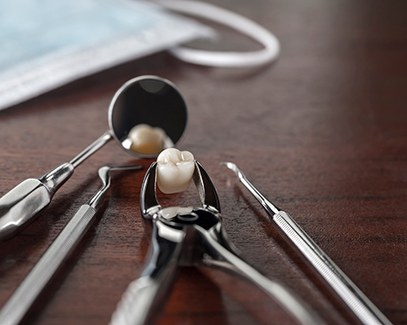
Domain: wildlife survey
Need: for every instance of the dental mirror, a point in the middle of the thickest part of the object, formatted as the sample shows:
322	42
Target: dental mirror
147	114
164	115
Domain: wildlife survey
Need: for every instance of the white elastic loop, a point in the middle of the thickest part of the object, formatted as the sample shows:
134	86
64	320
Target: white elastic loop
225	17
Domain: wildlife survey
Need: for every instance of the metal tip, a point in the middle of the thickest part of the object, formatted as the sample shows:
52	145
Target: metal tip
104	171
231	166
270	207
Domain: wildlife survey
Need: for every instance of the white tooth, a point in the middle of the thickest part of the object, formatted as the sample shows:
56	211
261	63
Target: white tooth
174	170
145	139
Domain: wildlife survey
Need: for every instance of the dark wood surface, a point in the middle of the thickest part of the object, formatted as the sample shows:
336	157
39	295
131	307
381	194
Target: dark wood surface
322	132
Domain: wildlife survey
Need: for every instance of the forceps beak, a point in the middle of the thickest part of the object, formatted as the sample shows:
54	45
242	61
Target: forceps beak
206	189
148	197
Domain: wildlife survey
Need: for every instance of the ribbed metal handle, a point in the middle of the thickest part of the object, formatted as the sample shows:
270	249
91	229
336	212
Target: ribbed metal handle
19	303
352	296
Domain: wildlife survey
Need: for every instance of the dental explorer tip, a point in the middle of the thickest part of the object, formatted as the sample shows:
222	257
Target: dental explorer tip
232	166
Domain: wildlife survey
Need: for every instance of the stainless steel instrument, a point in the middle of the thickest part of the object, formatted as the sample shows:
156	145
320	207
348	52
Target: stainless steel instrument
351	295
190	236
20	302
143	100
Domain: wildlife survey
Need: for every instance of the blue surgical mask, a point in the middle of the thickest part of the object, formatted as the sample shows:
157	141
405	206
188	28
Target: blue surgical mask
47	43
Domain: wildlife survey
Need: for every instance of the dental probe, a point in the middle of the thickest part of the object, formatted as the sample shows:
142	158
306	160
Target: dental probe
20	302
351	295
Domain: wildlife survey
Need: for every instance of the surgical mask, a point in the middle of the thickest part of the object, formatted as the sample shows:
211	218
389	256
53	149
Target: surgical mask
46	44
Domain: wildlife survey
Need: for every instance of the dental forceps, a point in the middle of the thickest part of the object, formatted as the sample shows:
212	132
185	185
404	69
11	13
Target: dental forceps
188	236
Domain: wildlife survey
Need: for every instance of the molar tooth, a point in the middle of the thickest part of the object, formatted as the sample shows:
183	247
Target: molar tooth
174	170
146	139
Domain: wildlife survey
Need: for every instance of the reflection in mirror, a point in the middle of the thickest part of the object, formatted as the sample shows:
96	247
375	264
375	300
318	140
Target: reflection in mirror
147	115
145	139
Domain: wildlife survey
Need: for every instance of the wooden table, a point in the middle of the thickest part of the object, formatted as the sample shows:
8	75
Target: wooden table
322	132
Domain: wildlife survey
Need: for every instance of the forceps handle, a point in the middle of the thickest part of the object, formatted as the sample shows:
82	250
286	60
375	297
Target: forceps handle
139	303
17	306
284	297
143	296
352	296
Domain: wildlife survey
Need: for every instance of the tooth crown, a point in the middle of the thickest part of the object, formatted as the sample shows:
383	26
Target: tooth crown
174	170
146	139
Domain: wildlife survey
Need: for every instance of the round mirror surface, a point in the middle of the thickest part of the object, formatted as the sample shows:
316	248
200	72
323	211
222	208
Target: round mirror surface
147	114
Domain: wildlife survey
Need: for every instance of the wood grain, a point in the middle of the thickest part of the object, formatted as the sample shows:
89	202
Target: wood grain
322	132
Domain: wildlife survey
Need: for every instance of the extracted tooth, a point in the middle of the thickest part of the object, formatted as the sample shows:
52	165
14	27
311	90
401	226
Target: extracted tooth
174	170
145	139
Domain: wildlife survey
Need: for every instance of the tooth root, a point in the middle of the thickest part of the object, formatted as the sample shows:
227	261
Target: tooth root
145	139
174	170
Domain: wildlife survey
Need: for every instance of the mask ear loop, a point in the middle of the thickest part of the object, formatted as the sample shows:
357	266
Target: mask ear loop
232	20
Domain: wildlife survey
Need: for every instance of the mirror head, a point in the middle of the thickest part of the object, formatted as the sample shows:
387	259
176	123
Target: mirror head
146	115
